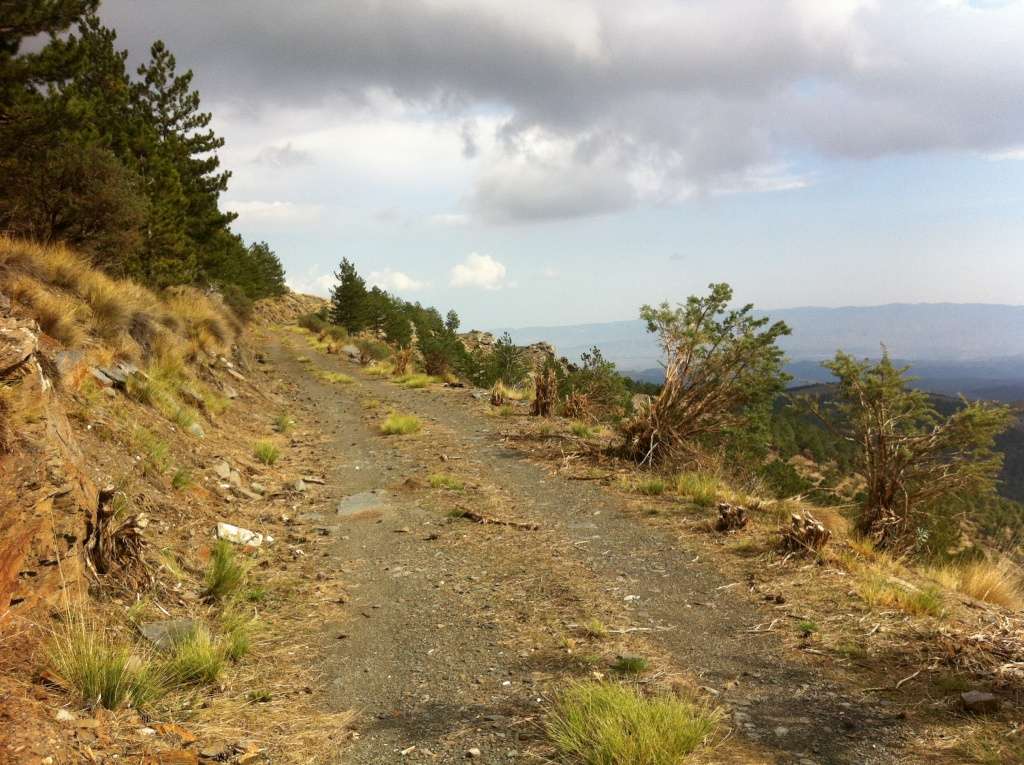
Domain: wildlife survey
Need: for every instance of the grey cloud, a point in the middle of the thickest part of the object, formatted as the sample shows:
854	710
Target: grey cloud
539	192
282	156
698	91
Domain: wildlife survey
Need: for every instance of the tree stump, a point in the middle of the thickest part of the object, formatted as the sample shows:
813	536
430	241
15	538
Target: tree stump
731	517
805	534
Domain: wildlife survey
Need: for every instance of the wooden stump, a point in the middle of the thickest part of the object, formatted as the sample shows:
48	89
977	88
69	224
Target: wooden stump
731	517
805	534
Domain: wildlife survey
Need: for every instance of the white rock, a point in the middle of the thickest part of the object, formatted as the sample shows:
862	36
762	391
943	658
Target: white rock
239	535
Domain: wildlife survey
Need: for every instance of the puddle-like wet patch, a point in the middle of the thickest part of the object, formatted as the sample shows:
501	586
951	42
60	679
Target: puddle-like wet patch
361	503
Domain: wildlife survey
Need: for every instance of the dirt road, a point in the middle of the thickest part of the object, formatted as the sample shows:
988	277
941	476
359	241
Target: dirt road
457	633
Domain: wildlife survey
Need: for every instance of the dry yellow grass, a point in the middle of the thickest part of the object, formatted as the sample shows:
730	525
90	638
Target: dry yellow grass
73	302
991	581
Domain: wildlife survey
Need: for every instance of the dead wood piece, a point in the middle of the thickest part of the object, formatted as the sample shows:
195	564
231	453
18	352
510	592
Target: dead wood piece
578	406
116	547
546	386
497	396
731	517
402	360
805	534
478	518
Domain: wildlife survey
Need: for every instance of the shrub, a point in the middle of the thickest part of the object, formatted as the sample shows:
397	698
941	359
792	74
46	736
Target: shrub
595	389
266	452
630	665
224	574
720	364
507	362
372	350
182	479
806	627
609	724
101	670
911	455
700	488
400	425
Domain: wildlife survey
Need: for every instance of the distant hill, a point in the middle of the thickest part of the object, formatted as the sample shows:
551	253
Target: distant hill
975	349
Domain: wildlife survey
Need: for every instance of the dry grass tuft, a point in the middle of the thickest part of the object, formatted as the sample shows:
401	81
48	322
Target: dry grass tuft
102	670
992	582
699	488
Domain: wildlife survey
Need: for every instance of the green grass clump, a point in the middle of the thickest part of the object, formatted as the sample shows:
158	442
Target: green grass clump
506	410
196	659
608	724
256	594
700	488
283	424
378	369
101	670
652	487
224	574
630	665
444	481
335	377
237	634
595	628
400	425
414	380
806	627
876	590
581	430
156	451
266	452
181	479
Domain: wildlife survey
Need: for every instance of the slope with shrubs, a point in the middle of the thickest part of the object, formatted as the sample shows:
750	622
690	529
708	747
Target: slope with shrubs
108	510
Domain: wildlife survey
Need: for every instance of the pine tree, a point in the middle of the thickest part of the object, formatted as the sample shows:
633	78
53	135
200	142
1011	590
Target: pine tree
348	298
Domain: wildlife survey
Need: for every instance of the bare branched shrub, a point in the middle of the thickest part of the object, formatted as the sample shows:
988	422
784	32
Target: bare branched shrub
719	363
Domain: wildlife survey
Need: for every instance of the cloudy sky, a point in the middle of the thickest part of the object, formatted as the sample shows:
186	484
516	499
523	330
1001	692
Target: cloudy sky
562	161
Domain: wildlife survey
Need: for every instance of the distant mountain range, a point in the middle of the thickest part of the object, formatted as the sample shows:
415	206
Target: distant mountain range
969	348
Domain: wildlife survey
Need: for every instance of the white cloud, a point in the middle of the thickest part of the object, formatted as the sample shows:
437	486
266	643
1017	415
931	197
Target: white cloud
395	281
312	283
479	271
550	273
1011	154
449	219
275	212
